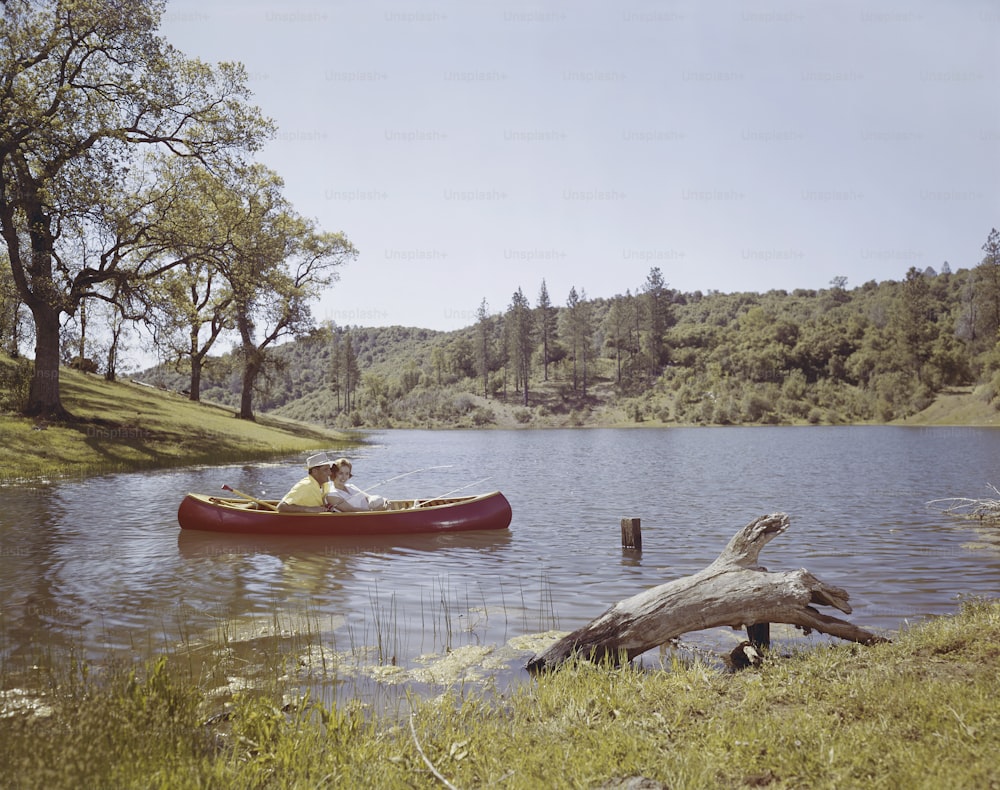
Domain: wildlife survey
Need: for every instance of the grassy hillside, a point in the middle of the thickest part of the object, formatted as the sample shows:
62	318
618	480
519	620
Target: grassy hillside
969	406
124	426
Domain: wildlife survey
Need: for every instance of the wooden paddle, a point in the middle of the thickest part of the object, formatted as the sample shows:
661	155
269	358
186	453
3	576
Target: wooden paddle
261	502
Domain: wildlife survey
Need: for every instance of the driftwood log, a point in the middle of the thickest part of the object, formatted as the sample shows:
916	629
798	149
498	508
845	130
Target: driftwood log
987	510
734	590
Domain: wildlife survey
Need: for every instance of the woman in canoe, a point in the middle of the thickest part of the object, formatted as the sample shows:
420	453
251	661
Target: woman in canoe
345	497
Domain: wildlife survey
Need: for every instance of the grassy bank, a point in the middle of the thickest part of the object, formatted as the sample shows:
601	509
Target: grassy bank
121	426
918	713
958	406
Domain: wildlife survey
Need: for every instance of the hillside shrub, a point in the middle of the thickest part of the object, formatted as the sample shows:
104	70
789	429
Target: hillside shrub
482	416
15	383
923	398
725	411
755	406
794	385
990	392
464	403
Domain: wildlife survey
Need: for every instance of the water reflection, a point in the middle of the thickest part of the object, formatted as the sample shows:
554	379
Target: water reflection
37	546
193	544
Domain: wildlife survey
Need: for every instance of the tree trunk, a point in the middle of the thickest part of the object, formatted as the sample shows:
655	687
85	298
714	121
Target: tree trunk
41	297
111	369
732	591
83	331
194	388
43	397
250	371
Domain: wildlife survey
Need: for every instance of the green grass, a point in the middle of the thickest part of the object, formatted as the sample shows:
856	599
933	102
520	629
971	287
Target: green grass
120	426
965	406
918	713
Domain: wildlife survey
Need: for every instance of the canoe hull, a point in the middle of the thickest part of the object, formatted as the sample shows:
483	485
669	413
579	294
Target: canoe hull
461	514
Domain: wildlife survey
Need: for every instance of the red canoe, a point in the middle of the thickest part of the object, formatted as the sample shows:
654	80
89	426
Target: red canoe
405	517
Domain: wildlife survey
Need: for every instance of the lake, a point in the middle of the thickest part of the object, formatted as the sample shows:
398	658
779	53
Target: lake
99	566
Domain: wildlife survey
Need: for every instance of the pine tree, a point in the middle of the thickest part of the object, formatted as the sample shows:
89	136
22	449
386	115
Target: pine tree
547	323
521	323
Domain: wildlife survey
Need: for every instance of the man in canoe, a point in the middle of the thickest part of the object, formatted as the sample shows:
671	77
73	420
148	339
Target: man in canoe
306	495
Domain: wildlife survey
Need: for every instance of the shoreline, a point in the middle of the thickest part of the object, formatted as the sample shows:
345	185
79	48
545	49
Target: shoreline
128	427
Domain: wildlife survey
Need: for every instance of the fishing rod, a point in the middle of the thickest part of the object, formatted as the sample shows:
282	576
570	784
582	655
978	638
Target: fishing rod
426	468
420	502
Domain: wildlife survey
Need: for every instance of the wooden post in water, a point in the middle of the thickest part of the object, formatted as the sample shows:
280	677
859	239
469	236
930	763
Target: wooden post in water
631	534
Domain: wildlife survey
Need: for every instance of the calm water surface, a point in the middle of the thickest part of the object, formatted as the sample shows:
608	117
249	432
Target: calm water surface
100	566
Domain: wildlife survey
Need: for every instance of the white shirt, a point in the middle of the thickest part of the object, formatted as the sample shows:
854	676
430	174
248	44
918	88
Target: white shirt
353	496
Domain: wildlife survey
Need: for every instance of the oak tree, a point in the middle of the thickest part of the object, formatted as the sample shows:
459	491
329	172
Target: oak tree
276	263
83	85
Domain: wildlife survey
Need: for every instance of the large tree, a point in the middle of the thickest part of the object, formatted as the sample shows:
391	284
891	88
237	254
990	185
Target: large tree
83	84
987	289
914	322
657	295
345	373
548	318
520	323
195	301
617	332
578	330
123	248
277	263
197	310
484	333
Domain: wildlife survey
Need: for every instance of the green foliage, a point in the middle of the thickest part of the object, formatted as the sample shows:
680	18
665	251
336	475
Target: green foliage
882	351
89	85
15	380
991	393
523	416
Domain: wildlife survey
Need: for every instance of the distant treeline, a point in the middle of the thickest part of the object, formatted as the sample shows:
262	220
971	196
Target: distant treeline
877	351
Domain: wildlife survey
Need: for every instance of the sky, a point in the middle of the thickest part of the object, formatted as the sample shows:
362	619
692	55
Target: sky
471	149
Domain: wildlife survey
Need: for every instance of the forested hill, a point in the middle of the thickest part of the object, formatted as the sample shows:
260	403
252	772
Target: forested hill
876	352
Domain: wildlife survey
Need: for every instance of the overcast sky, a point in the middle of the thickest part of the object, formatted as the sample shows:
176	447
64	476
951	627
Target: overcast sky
469	149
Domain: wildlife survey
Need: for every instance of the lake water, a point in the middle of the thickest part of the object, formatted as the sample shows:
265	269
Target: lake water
100	567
